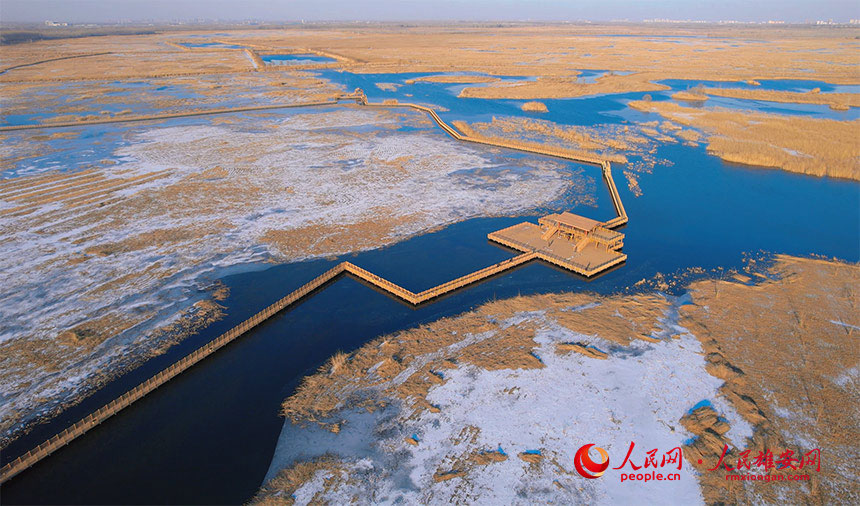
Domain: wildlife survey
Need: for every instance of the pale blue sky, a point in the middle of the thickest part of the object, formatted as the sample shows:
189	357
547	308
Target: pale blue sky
402	10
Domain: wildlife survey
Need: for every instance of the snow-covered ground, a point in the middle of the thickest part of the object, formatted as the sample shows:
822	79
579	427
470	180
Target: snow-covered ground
637	394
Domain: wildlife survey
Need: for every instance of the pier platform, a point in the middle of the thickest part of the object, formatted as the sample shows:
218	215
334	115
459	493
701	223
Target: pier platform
573	242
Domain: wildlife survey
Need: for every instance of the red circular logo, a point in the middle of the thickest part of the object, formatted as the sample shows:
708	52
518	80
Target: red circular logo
588	468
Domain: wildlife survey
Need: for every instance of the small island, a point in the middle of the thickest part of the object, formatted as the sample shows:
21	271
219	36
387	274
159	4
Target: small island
535	107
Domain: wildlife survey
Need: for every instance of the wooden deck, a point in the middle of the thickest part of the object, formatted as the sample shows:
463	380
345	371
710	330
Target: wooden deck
585	257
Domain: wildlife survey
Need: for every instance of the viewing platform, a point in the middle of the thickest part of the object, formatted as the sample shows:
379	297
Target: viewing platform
576	227
574	242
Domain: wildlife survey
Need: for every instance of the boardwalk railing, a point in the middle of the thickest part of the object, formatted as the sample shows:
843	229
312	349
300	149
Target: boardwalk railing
100	415
436	291
58	441
382	283
475	276
169	115
258	62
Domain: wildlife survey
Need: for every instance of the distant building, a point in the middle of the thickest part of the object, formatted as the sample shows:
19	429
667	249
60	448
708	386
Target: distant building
55	23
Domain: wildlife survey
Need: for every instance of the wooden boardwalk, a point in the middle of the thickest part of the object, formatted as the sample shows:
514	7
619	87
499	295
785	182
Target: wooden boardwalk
31	64
258	62
583	266
100	415
170	115
605	166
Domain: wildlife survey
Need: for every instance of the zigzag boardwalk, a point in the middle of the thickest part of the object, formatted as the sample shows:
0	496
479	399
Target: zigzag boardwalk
43	450
436	291
125	400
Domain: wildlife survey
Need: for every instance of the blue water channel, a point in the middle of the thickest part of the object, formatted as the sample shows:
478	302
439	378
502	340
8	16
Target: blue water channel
216	45
208	436
295	59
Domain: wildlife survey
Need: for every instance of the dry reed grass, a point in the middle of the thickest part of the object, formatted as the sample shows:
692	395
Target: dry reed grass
279	490
577	140
787	361
535	107
392	367
836	101
694	95
819	147
335	363
454	79
565	87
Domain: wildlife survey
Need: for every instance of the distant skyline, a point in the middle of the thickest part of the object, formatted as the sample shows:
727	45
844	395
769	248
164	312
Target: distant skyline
101	11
